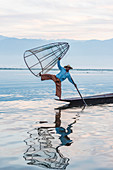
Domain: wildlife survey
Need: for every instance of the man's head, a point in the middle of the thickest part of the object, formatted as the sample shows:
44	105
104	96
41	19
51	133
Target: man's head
68	67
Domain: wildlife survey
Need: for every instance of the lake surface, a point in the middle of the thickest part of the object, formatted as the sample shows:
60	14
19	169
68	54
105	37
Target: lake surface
36	136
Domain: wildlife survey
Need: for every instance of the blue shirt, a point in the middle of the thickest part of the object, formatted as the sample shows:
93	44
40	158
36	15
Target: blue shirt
63	73
64	134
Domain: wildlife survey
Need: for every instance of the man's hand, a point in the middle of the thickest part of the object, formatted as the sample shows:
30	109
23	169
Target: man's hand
75	85
59	58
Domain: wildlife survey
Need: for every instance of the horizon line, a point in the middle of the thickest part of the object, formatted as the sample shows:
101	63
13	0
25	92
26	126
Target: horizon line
54	69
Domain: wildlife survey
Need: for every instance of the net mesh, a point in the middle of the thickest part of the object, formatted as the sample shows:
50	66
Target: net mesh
42	59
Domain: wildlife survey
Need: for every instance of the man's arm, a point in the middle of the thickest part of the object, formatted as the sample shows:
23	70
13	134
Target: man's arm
70	79
58	63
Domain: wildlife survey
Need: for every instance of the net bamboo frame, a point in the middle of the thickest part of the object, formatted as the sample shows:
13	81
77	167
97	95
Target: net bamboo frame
42	59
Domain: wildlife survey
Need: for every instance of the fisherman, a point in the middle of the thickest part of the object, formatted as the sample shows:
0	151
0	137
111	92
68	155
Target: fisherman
61	76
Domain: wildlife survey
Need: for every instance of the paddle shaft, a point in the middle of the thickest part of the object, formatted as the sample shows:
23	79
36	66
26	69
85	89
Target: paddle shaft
79	92
81	95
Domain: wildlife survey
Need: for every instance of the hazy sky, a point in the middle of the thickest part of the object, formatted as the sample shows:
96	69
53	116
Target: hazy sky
57	19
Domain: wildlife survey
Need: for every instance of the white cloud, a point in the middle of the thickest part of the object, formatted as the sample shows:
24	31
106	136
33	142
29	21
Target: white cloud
52	19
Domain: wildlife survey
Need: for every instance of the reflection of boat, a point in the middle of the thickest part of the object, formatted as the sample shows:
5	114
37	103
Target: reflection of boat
90	100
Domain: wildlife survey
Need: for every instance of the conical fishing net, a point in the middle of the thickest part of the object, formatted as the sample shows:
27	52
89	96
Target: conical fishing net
42	59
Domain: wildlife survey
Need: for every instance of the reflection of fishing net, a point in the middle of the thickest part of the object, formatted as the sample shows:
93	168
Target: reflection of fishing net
41	151
44	57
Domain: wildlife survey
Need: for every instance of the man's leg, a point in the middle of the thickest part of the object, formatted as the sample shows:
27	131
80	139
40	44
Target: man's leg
48	77
58	89
56	80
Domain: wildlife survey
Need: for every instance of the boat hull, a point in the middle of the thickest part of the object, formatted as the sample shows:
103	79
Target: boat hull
90	100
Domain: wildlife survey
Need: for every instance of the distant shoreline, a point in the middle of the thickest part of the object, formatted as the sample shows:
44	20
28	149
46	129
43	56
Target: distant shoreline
57	69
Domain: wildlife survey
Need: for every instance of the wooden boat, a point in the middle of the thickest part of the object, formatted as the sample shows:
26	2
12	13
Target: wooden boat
90	100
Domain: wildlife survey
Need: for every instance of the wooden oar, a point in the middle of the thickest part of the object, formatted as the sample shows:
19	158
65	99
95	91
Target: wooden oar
79	93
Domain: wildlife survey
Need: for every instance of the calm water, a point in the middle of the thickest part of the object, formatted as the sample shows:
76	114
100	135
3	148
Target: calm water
36	136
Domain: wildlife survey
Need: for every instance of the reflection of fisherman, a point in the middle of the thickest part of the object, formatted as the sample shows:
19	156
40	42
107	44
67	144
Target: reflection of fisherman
41	151
61	76
65	140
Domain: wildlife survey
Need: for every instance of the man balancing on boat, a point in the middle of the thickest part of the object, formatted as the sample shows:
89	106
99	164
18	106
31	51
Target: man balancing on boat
61	76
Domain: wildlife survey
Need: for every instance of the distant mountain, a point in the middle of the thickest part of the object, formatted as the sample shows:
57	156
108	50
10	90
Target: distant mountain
82	54
3	37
